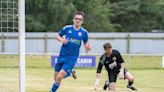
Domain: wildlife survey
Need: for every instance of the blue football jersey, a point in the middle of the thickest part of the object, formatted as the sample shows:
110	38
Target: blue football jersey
74	37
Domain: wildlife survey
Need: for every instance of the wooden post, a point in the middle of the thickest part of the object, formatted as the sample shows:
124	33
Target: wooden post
128	43
2	43
45	43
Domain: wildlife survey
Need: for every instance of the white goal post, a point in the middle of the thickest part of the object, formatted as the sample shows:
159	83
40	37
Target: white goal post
21	26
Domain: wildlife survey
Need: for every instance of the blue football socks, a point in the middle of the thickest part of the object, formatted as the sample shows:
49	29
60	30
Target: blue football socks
55	87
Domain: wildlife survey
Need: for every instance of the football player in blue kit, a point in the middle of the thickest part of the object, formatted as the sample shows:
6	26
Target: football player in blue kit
71	37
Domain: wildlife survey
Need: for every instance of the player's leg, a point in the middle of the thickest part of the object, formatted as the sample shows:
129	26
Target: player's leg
59	78
112	80
130	79
67	75
55	85
72	73
112	86
55	75
68	67
57	69
106	85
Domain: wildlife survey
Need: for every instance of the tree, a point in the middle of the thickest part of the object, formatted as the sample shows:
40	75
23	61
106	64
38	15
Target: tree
97	15
42	15
137	15
100	15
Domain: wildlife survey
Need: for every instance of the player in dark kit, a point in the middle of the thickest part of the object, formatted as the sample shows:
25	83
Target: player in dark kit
114	64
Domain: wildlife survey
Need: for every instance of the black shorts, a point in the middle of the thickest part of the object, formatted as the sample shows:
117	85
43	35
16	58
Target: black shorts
112	75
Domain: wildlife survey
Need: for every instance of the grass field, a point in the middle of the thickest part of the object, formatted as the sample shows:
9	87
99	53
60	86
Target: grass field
39	75
40	80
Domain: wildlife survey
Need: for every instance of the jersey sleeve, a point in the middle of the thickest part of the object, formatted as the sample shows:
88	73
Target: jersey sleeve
101	63
99	68
85	39
62	31
120	59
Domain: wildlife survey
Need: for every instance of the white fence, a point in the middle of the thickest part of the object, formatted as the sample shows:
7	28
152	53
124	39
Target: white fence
126	43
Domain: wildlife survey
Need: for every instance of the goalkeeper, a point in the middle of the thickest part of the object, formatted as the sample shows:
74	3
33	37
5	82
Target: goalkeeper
114	64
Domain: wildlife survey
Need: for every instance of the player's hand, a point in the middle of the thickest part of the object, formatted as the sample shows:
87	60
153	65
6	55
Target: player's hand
64	41
121	74
87	47
96	84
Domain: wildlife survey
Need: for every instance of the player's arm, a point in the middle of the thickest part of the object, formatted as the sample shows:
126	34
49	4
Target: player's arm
121	61
86	44
122	66
61	39
98	75
99	68
121	73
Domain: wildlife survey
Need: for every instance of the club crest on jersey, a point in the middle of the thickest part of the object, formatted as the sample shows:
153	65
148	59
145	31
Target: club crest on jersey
69	31
114	58
68	70
107	62
79	33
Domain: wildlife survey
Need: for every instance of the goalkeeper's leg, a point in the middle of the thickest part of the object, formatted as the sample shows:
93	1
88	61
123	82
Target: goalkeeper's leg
112	80
130	78
106	85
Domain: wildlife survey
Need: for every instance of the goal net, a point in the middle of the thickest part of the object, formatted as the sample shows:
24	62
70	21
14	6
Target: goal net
8	32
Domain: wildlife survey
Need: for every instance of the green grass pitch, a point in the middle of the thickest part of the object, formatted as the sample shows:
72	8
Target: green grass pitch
149	76
40	80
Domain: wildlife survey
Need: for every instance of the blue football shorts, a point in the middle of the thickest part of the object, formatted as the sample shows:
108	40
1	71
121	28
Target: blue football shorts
65	63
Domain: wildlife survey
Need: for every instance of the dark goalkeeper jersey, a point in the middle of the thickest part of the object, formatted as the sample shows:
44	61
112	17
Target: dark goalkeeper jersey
112	62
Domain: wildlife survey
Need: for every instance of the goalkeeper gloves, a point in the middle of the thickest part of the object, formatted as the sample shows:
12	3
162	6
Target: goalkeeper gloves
121	74
96	84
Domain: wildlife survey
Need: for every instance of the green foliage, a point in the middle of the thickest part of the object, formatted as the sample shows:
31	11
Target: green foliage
138	15
125	15
152	14
100	15
97	15
42	15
